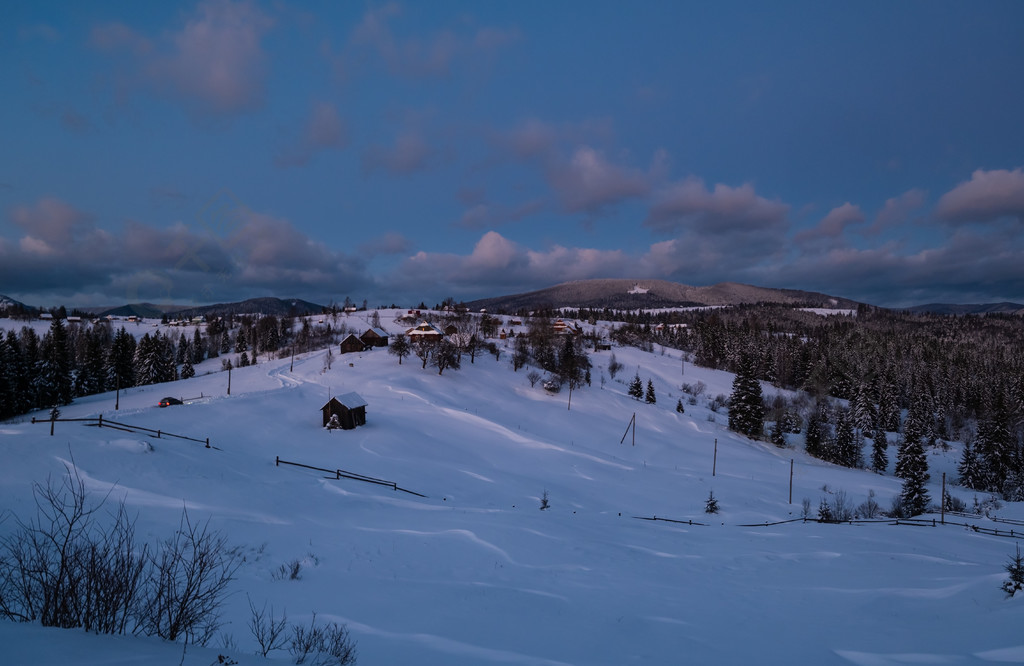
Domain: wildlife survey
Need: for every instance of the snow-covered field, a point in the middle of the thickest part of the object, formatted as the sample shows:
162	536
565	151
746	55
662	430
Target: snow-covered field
475	573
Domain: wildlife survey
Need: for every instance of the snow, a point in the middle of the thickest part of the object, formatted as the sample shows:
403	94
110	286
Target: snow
475	573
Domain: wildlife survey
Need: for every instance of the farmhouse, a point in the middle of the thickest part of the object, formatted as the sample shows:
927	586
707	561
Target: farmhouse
352	344
375	337
425	331
344	411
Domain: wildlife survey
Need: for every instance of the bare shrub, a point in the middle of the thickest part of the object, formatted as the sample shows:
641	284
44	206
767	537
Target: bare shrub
323	645
533	377
191	571
268	631
288	571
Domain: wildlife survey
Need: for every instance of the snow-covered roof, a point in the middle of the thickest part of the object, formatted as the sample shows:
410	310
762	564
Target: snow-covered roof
349	400
378	330
423	329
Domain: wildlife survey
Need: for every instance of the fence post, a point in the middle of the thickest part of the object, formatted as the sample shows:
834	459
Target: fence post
158	434
790	480
101	420
942	504
277	461
53	419
714	460
207	442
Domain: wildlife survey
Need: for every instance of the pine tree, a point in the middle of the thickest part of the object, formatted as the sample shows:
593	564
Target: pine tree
187	371
679	406
814	435
636	387
746	405
969	468
121	360
711	504
197	347
848	444
53	378
649	396
879	452
914	495
778	438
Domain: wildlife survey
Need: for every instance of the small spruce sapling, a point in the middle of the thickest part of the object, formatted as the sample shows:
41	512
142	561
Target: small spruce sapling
711	505
1015	583
544	501
679	406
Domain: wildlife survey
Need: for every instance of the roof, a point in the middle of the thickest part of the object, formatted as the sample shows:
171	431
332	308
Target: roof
423	329
378	330
348	400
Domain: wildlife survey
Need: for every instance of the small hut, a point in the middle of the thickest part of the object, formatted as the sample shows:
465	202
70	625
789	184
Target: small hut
375	337
352	344
347	411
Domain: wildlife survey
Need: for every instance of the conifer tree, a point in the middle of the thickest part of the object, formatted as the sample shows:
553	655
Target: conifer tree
636	387
746	405
969	468
649	397
879	451
187	371
197	347
679	406
53	376
848	443
777	436
814	435
914	495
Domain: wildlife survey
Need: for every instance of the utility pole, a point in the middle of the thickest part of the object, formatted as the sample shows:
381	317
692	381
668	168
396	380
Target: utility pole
229	376
117	399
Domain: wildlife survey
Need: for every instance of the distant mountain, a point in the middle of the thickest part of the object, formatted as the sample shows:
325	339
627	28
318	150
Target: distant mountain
146	310
8	304
279	307
983	308
648	294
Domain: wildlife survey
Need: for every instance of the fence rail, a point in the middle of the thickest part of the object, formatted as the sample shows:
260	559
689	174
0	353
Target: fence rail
124	427
896	522
343	474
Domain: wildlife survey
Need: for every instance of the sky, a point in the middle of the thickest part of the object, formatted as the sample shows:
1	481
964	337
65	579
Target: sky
205	152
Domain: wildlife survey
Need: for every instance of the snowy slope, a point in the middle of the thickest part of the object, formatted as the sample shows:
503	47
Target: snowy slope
474	573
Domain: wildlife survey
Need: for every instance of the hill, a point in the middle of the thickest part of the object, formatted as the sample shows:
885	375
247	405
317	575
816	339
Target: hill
475	573
648	294
963	309
279	307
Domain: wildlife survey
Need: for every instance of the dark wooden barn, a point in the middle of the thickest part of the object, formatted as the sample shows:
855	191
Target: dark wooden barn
352	344
375	337
350	410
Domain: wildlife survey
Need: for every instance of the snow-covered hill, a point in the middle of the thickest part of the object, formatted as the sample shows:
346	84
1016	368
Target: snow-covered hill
475	573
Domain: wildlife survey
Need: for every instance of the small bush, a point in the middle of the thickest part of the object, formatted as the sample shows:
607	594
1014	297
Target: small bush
288	571
870	508
326	645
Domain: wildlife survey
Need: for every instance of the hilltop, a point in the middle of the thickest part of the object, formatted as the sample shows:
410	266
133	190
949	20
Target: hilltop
475	573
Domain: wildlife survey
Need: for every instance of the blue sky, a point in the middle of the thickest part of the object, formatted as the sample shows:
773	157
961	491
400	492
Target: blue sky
398	152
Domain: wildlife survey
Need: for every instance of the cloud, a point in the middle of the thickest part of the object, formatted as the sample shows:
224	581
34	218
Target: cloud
429	56
896	210
52	221
497	263
324	130
832	226
987	196
688	204
589	183
118	36
409	153
215	63
389	243
41	31
484	215
62	249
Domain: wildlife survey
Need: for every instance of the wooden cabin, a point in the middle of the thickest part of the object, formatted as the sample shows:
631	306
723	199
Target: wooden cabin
352	344
425	331
347	411
375	337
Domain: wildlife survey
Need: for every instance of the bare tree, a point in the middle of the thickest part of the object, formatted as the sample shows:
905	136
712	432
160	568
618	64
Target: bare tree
268	631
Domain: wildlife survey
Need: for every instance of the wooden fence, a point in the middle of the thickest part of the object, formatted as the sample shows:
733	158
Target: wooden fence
117	425
911	522
339	474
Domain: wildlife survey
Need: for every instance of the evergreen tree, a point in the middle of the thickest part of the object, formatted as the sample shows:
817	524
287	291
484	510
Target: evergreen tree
649	396
7	402
969	469
814	434
197	347
243	360
679	406
848	444
147	361
914	495
91	377
520	353
187	371
182	352
121	360
777	436
746	405
636	387
53	376
879	452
